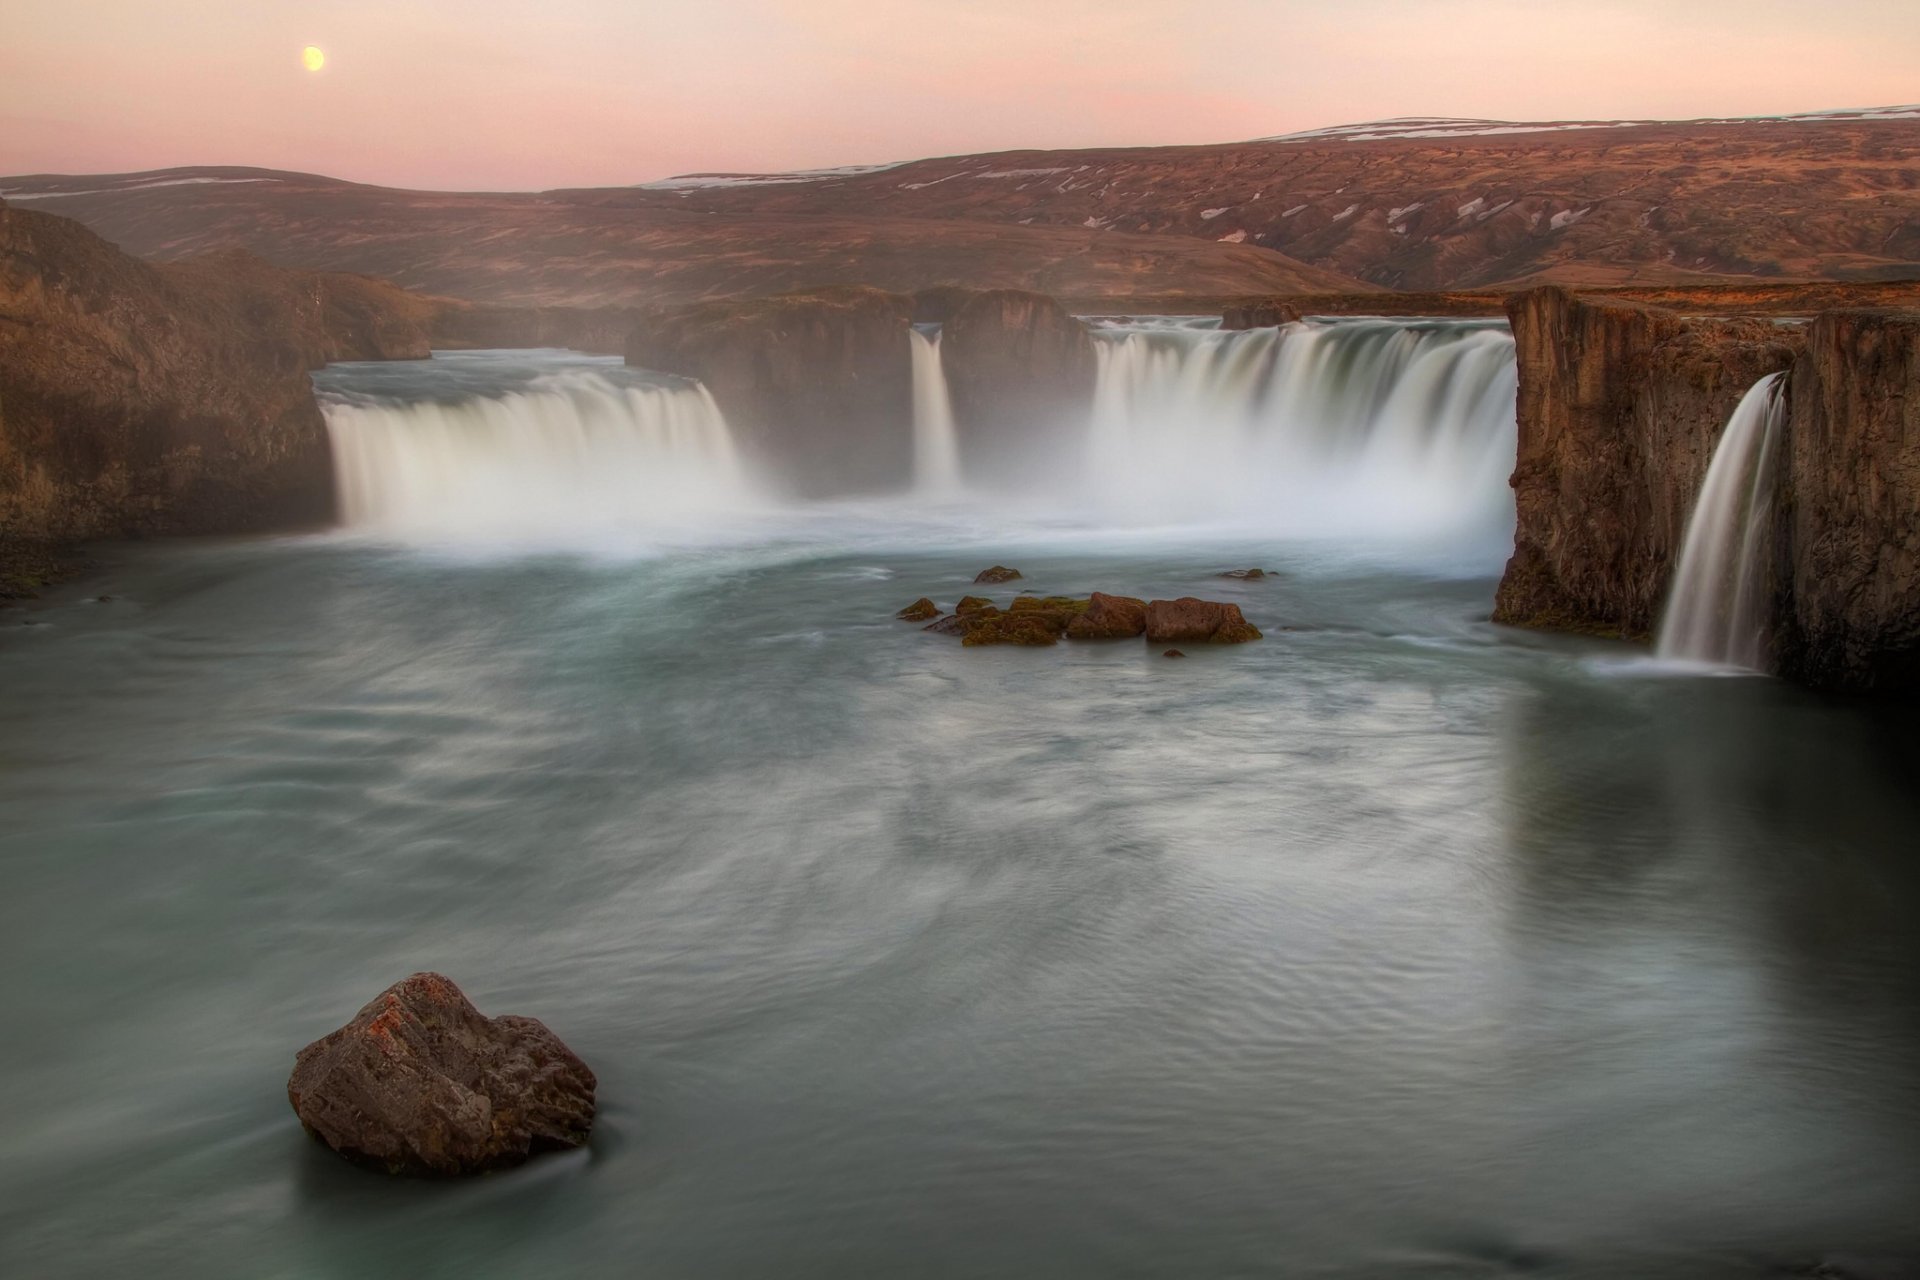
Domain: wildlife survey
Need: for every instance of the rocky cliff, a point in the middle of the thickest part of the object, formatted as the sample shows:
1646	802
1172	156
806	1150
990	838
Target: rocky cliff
1620	408
1021	372
817	386
1851	506
600	331
137	399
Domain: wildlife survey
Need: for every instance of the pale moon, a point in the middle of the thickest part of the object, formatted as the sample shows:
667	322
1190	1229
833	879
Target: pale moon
313	58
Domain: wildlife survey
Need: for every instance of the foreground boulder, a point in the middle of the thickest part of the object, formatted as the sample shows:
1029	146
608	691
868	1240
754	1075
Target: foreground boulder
1190	619
421	1082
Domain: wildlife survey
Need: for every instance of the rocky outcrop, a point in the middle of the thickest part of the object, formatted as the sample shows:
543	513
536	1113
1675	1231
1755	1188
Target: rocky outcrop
818	387
601	331
1189	619
137	399
1021	373
1044	620
1620	408
421	1082
1259	313
1109	618
1850	541
996	574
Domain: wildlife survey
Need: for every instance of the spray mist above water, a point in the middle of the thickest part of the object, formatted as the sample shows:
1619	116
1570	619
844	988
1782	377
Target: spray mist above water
1377	433
538	445
1345	428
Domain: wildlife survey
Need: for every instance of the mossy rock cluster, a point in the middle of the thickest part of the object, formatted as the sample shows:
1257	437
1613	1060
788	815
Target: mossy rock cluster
1045	620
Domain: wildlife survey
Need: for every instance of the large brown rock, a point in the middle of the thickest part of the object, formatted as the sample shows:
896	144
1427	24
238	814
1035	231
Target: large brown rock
139	399
1850	535
1109	618
1620	408
1020	369
1191	619
817	386
421	1082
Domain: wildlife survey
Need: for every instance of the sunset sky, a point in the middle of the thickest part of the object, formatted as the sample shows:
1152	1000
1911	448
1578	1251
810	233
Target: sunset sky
505	94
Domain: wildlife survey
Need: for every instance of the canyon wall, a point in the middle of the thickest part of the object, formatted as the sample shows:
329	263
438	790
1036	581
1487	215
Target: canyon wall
1850	544
816	386
139	399
1021	371
601	331
1620	408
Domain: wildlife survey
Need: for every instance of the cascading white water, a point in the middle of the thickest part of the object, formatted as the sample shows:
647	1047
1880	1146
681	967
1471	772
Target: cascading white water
1716	608
1325	428
936	445
454	446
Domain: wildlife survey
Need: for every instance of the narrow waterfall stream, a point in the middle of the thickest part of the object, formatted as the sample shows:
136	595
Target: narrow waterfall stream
936	444
1716	607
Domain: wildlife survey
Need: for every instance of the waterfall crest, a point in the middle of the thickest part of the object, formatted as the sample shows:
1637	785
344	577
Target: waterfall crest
562	444
1366	426
1716	608
936	444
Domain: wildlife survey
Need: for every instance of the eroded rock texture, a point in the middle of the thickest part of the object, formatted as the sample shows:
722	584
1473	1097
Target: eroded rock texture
1021	371
139	399
421	1082
816	386
1189	619
1620	408
1851	522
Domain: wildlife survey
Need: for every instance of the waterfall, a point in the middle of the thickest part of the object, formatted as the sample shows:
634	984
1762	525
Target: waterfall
1716	609
1325	427
936	447
530	443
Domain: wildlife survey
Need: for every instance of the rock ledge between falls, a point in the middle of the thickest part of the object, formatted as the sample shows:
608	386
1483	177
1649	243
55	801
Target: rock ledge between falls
421	1082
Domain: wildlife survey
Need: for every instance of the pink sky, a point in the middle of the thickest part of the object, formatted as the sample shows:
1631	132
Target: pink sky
513	95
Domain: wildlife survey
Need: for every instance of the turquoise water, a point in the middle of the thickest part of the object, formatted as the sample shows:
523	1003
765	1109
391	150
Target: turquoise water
1395	944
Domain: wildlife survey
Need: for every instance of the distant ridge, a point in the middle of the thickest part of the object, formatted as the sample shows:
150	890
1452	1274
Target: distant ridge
1424	204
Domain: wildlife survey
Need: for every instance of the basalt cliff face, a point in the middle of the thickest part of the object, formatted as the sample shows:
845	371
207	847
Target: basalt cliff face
137	399
818	386
1850	538
815	385
1620	408
1021	372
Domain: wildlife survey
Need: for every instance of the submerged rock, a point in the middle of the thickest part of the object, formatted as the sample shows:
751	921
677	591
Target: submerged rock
919	611
1248	575
421	1082
1027	626
1109	618
1190	619
998	573
1173	653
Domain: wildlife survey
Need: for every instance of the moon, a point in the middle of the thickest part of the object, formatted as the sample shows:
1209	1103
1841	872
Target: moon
313	57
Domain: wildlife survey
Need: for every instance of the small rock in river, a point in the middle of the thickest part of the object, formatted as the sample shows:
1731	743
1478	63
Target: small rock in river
422	1082
1190	619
